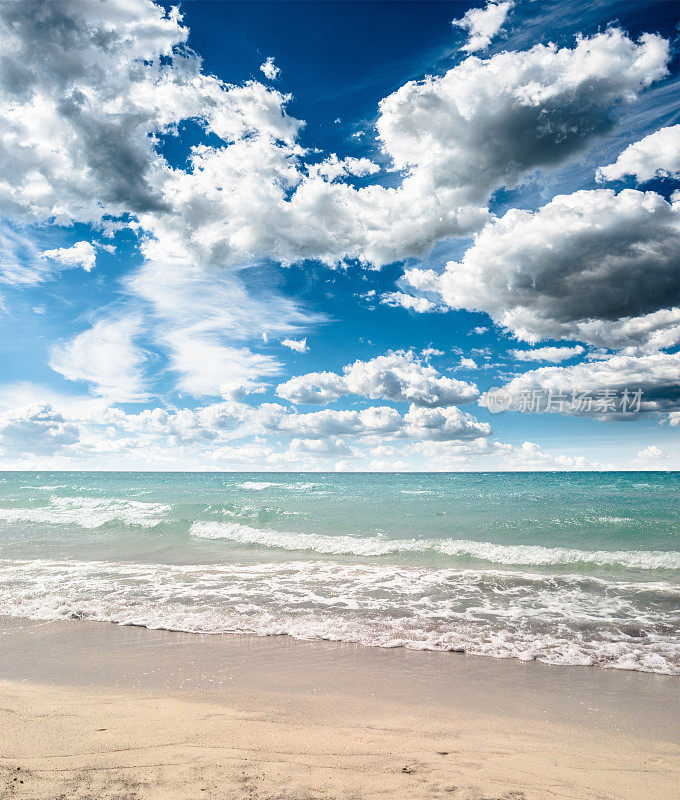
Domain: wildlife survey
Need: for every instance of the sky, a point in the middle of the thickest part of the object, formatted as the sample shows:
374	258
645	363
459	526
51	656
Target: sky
339	235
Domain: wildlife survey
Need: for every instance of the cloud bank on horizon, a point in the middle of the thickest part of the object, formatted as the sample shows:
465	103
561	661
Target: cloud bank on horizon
200	270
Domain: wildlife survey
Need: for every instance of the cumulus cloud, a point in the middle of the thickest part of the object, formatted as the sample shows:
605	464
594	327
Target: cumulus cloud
442	424
482	24
656	376
81	254
651	453
36	428
410	302
333	168
655	156
269	69
554	354
299	345
488	122
88	93
22	263
594	266
461	455
89	88
398	376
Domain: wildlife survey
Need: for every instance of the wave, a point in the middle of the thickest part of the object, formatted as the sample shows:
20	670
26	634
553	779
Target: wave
258	486
554	619
519	555
536	555
318	543
90	512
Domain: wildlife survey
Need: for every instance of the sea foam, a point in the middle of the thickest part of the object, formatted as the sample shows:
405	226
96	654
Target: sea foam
89	512
520	555
557	620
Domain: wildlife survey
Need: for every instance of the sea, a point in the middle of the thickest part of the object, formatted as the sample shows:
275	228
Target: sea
563	568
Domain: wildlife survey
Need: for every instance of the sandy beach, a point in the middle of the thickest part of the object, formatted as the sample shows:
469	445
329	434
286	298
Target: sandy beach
101	711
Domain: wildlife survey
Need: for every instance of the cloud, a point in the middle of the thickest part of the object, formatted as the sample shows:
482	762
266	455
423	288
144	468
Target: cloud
594	266
23	263
488	454
333	167
299	345
81	254
655	375
655	156
269	69
105	355
204	322
89	90
410	302
488	122
443	424
554	354
398	376
482	24
651	453
36	428
207	366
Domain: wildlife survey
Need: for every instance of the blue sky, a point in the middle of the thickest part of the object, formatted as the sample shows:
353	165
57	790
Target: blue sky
315	235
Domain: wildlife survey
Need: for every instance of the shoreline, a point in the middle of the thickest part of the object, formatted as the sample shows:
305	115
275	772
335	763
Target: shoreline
273	717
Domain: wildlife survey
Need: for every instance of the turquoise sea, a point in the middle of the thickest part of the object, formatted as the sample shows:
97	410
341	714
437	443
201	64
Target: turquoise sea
565	568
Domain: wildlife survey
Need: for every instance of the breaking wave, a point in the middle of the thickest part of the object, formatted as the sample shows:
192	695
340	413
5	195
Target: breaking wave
507	555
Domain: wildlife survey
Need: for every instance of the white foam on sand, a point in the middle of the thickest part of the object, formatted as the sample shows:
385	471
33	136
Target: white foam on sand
557	620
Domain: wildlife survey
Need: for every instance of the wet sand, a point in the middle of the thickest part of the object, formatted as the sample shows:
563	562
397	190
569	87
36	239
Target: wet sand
100	711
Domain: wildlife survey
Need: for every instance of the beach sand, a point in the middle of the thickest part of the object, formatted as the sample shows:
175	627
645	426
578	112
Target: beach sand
99	711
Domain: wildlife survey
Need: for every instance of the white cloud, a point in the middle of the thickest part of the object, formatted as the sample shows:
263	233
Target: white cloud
209	367
81	254
397	376
410	302
554	354
651	453
486	454
36	428
488	122
333	167
203	321
657	375
105	355
480	329
23	264
594	266
482	24
443	424
299	345
93	85
468	363
88	90
269	69
655	156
